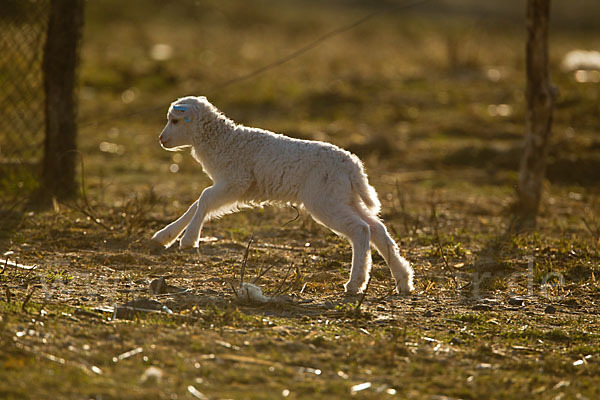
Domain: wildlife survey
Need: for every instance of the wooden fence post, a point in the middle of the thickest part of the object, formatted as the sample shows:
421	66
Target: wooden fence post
540	101
59	66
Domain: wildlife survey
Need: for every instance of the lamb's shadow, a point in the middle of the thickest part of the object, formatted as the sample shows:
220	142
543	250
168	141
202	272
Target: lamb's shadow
225	307
280	306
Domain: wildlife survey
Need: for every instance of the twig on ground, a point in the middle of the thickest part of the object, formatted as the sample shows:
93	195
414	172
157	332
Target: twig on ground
303	287
362	297
252	291
27	298
402	201
4	266
235	292
437	235
15	264
243	267
262	273
287	275
245	260
594	231
281	289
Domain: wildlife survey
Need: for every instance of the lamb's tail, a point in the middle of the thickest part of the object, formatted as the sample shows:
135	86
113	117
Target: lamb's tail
366	193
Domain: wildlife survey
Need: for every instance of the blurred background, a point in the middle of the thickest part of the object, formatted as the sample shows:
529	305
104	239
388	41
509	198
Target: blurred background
435	90
431	97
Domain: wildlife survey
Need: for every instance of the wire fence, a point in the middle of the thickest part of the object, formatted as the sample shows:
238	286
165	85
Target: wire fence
23	25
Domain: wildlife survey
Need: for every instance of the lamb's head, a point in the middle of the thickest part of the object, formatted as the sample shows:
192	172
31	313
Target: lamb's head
181	123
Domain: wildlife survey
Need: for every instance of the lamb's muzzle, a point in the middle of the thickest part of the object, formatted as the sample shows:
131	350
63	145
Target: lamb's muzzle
251	166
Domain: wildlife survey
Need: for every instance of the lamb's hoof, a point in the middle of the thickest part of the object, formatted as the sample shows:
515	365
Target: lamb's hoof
405	287
162	238
352	290
186	245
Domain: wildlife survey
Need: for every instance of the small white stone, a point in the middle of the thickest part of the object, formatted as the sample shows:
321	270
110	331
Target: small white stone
152	375
252	293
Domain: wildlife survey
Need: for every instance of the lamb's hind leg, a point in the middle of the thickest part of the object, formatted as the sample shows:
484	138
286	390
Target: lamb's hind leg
169	234
346	222
387	247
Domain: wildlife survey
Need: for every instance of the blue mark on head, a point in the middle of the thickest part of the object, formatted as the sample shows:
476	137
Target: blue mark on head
182	108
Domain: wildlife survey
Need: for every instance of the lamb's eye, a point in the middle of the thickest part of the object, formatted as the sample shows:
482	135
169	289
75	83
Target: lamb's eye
175	121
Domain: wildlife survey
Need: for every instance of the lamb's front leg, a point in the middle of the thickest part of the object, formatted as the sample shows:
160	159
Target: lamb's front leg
169	234
211	199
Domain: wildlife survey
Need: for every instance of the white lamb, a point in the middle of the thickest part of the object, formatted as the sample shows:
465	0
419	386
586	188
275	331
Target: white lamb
251	166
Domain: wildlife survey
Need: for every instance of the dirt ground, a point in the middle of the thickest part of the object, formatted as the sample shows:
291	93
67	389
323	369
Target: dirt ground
432	104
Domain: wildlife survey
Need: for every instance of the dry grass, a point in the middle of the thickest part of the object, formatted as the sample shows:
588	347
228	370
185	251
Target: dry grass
416	95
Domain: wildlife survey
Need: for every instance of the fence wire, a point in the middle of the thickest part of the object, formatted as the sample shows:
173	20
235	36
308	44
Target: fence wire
23	25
